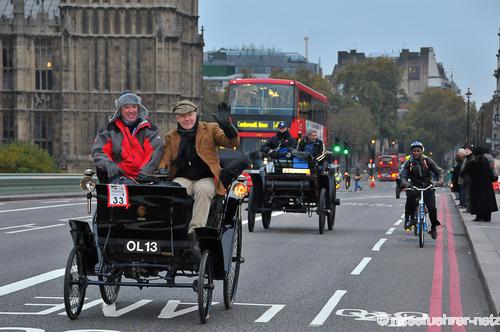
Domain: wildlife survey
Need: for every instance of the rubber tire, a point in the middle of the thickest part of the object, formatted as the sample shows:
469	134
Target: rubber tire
251	211
266	219
321	209
205	286
421	234
75	284
333	210
109	294
230	287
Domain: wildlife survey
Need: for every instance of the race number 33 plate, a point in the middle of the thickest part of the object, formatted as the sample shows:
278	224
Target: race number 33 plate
118	195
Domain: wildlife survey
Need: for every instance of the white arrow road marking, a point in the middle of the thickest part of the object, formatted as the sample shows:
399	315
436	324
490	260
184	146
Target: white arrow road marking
26	283
364	262
328	308
269	314
397	223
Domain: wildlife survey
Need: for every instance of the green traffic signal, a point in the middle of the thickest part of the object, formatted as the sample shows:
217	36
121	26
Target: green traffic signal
346	151
336	148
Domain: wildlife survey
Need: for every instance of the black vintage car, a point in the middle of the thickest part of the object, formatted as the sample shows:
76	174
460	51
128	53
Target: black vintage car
292	181
139	237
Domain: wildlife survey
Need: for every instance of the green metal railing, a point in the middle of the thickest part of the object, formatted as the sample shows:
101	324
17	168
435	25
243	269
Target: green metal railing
25	184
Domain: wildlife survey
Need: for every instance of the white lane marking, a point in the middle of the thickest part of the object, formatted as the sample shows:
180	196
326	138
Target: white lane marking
274	214
328	308
52	202
20	285
402	216
397	223
34	228
379	244
364	262
364	197
18	226
390	231
82	218
41	207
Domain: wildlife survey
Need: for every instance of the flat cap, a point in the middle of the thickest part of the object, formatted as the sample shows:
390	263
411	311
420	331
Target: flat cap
184	107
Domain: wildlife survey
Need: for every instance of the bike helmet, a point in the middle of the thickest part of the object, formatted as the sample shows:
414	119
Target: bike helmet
417	144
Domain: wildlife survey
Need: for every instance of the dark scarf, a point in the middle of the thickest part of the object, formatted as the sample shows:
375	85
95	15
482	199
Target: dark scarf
132	126
188	138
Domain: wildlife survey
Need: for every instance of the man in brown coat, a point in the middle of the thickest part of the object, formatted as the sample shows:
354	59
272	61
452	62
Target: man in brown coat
190	157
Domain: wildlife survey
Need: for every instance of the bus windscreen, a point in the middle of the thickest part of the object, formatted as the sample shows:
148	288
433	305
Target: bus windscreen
262	99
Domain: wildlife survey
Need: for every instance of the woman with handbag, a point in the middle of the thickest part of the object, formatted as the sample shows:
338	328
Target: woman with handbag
482	174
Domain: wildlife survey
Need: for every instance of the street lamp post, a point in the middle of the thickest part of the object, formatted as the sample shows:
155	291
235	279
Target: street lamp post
468	95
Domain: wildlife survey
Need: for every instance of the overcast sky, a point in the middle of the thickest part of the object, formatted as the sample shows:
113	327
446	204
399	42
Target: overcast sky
463	33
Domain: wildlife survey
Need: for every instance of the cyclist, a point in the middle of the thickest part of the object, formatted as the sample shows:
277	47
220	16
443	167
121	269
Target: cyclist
418	171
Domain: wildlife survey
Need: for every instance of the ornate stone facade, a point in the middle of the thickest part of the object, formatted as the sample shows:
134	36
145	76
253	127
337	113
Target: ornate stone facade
495	140
65	62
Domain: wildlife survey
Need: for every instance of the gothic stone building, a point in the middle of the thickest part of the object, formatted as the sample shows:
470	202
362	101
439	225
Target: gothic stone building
64	62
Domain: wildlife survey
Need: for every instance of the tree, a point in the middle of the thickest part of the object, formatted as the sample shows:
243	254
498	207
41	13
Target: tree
375	84
356	124
439	120
22	157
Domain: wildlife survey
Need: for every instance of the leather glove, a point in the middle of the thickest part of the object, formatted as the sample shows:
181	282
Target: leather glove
224	122
274	154
113	171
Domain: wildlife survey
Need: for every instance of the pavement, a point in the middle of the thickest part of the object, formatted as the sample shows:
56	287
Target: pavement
484	238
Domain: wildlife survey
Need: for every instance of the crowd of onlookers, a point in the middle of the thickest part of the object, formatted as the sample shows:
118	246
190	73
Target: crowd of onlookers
472	179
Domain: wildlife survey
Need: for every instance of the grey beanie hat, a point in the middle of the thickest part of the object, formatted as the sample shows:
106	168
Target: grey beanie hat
129	98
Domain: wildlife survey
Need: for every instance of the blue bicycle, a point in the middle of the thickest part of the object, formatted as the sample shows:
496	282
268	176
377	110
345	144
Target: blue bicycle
421	215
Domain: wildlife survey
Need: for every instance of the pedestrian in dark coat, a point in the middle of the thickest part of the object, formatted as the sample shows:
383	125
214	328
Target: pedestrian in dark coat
482	196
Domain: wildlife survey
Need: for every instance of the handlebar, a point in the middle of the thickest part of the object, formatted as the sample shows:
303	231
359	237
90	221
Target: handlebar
431	186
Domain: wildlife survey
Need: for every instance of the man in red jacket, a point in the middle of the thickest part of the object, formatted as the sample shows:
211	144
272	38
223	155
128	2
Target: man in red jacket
129	148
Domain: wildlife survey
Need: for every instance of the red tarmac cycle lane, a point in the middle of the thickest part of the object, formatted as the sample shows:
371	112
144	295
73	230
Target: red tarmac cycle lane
455	299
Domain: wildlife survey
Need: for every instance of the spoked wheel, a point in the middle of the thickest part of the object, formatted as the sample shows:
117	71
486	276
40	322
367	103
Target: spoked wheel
331	217
75	284
251	211
421	232
266	219
231	278
205	286
321	210
109	293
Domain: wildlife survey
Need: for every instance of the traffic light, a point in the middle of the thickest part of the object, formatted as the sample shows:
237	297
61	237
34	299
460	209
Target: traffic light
346	148
336	145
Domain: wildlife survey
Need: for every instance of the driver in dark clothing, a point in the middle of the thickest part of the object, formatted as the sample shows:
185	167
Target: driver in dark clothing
418	171
282	139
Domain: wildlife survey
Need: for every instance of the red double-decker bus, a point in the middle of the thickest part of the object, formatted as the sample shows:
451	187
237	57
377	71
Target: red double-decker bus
388	167
259	104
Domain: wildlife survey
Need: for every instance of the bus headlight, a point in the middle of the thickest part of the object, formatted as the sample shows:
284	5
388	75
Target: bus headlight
87	184
239	190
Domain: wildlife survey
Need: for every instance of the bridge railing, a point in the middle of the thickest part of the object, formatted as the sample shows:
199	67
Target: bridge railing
27	183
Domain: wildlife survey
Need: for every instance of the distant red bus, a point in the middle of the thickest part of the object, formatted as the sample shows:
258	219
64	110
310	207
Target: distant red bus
387	167
259	104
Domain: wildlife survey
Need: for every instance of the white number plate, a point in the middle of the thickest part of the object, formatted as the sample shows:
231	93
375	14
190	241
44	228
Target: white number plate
144	247
118	195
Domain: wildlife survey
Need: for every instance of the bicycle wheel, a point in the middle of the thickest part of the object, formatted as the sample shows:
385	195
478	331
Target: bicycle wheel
75	284
266	219
205	286
421	231
109	293
231	278
321	210
251	211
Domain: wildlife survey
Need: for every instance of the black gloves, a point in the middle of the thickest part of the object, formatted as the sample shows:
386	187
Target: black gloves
274	154
222	118
146	178
113	171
